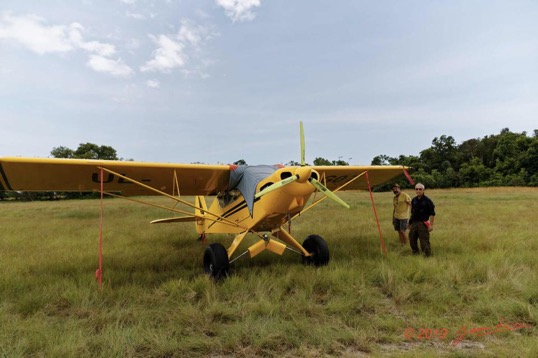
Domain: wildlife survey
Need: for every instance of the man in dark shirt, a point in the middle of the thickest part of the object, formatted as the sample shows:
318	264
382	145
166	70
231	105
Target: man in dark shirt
421	221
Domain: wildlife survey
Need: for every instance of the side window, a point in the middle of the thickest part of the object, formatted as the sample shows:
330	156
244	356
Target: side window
227	197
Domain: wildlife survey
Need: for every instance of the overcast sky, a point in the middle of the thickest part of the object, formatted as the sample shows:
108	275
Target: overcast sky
215	81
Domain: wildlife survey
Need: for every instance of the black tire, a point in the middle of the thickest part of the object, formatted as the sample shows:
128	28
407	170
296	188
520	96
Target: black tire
216	262
315	245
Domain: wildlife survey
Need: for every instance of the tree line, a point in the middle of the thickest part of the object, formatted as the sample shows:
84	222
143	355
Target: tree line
504	159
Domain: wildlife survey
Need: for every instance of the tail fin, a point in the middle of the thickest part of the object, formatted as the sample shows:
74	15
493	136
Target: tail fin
200	211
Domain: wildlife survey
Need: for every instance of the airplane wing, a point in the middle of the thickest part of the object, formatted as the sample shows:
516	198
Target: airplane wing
335	176
80	175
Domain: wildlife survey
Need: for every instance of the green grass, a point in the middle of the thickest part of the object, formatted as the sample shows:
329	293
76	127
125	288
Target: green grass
156	302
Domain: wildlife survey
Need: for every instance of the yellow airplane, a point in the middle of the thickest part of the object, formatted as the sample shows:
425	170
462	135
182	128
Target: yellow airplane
259	200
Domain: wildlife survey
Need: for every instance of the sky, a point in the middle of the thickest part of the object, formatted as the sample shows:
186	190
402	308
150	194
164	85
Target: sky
215	81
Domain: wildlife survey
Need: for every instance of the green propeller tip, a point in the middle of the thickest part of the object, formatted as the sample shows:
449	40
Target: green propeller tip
302	144
328	193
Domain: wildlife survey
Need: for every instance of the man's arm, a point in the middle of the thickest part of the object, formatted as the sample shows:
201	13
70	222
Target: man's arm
432	214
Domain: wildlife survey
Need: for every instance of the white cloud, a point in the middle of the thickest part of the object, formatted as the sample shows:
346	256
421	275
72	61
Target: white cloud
114	67
174	50
100	48
239	10
33	33
190	34
168	56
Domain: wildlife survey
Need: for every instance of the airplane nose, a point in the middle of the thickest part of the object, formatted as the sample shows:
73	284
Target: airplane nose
303	173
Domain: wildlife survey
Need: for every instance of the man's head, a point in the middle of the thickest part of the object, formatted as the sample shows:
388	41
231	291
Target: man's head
396	188
419	189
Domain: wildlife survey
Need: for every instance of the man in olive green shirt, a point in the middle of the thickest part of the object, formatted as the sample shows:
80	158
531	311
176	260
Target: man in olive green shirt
400	214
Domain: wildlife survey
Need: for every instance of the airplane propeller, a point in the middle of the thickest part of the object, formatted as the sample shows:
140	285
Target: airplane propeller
303	174
327	192
302	144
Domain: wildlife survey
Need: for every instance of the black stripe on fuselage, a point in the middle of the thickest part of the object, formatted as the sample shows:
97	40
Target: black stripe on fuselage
240	206
4	183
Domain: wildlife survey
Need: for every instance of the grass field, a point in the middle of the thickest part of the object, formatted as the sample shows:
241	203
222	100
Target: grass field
477	295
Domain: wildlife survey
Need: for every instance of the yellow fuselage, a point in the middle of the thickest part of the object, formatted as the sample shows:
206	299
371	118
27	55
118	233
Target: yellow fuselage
270	211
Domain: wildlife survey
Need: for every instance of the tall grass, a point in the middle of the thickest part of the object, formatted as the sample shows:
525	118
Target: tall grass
156	302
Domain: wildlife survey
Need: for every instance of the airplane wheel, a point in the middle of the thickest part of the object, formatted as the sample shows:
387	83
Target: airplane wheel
315	245
216	262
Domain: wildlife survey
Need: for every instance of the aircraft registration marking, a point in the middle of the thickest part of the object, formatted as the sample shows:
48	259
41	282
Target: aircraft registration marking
111	177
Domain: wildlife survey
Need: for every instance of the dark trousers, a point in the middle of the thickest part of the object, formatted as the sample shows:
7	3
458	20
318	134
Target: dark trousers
419	232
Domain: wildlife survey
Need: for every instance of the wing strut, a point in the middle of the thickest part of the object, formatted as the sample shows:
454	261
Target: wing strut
316	202
411	181
176	199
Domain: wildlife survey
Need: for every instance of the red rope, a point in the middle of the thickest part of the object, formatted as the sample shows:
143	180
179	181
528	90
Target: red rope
99	272
383	248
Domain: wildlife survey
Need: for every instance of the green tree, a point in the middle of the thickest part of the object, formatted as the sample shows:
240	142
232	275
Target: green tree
510	151
469	149
506	158
488	144
474	173
293	163
339	162
382	160
86	151
421	176
94	151
322	161
62	152
529	159
441	155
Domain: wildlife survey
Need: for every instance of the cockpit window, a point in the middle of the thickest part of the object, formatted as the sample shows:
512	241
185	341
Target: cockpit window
227	197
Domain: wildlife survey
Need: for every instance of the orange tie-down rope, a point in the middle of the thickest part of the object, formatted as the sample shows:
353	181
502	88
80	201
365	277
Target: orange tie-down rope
383	248
99	271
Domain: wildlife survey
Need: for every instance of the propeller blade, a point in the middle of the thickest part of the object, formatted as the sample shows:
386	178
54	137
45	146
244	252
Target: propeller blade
278	184
302	145
327	192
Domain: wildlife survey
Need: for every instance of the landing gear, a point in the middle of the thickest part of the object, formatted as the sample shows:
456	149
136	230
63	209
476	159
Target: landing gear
315	245
216	262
